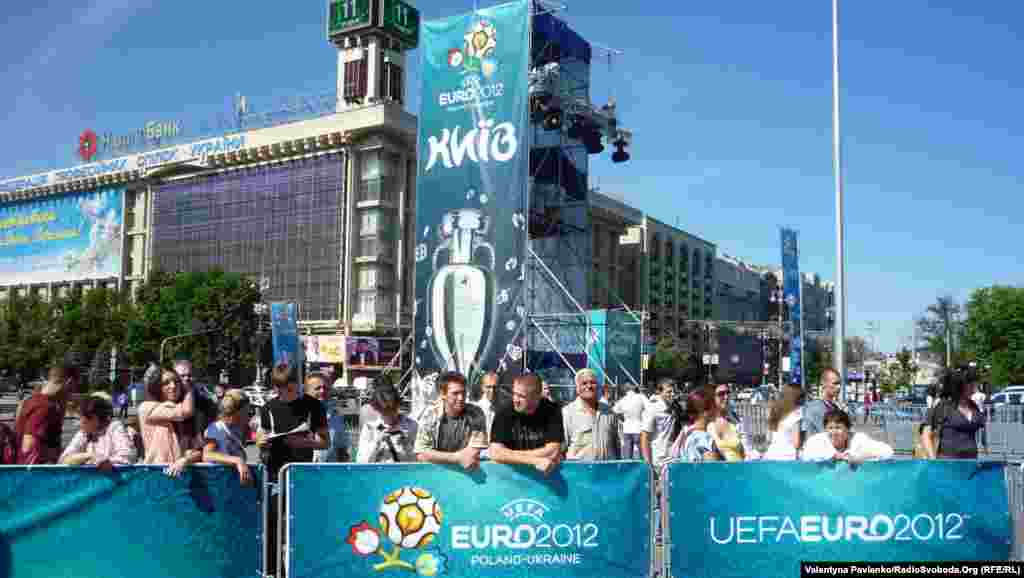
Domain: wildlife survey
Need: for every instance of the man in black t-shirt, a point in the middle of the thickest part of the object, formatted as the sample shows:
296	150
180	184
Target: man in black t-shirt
530	430
290	409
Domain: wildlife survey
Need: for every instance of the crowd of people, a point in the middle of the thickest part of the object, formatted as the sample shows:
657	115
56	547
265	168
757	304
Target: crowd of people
178	425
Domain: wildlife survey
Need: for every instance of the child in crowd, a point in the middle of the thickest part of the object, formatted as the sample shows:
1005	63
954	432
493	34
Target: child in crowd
223	442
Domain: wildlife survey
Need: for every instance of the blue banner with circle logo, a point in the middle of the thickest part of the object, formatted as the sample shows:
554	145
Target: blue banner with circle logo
764	519
384	520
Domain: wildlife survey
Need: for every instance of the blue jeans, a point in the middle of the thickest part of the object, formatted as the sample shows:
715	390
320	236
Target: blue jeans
629	442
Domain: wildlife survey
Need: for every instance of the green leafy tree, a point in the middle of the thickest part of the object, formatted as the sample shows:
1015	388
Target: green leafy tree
900	374
215	306
671	359
939	323
994	332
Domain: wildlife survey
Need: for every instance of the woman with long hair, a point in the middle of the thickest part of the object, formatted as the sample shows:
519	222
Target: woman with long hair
694	443
953	424
168	433
723	430
784	423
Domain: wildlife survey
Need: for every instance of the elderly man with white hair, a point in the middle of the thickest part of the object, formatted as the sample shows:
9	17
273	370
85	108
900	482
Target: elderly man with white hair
591	428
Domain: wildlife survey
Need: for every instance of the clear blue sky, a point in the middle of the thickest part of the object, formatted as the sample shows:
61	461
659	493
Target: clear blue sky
730	102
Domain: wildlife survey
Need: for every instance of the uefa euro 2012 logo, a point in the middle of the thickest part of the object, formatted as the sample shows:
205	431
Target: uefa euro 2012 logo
410	519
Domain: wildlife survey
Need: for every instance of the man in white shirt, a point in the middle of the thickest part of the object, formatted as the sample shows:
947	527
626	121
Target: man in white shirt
631	408
489	398
591	429
655	438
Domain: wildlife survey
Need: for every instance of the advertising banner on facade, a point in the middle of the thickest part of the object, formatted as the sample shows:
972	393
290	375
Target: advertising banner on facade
765	518
284	331
134	521
324	348
471	191
58	239
791	287
584	520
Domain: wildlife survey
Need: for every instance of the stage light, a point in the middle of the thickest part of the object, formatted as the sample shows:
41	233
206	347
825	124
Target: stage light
620	155
552	120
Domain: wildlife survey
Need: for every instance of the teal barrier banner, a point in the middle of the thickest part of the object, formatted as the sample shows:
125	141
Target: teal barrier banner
764	519
585	520
58	522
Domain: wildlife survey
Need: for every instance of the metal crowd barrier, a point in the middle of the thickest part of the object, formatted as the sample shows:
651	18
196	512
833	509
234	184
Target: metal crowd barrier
1015	492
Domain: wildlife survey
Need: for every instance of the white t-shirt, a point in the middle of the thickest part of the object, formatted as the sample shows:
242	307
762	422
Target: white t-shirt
658	424
819	448
632	409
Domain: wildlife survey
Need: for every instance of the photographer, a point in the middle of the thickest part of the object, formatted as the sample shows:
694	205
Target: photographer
391	436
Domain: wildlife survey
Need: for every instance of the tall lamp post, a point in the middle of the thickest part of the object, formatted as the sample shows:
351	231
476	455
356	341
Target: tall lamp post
839	337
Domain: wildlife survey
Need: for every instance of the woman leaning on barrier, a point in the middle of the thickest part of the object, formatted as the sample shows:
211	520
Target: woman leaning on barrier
839	443
168	433
101	440
952	425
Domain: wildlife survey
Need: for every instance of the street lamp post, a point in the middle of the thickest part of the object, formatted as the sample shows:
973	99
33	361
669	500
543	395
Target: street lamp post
839	338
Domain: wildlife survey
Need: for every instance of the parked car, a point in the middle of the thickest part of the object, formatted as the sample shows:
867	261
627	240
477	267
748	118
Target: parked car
1004	397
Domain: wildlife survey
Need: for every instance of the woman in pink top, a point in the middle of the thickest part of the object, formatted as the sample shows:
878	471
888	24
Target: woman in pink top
166	422
101	440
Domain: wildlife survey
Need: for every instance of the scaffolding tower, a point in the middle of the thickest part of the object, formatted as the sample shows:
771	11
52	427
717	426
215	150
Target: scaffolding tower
565	129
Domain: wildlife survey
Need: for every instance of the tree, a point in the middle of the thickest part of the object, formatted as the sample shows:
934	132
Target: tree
218	305
900	374
670	360
940	321
994	332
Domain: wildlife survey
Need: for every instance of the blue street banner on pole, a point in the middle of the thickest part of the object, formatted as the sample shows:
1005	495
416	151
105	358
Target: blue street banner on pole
763	519
584	520
64	238
284	331
471	191
597	339
134	521
791	288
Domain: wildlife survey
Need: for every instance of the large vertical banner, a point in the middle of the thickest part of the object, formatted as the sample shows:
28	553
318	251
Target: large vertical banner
57	239
471	191
284	331
791	287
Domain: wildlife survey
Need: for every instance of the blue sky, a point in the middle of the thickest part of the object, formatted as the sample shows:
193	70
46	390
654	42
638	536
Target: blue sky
730	103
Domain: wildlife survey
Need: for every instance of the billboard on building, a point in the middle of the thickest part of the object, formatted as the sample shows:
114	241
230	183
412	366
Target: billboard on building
791	293
471	191
58	239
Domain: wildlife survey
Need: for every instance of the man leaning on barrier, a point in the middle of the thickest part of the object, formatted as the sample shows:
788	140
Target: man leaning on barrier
591	429
452	432
530	431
